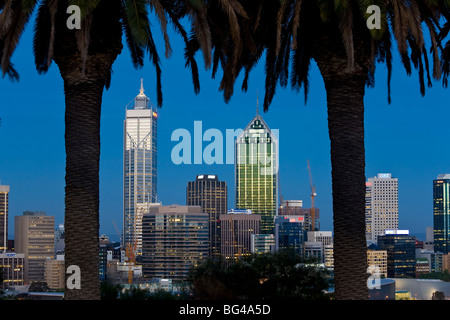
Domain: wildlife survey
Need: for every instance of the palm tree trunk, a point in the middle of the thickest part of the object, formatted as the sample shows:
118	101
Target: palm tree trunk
345	98
82	140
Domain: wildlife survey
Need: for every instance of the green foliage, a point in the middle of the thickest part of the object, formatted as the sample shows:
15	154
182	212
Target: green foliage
282	275
444	276
115	292
438	295
109	291
38	286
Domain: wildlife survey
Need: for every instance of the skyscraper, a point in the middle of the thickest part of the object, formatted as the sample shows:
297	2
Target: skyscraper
175	238
441	213
4	198
290	233
211	194
256	172
34	236
401	253
236	229
139	178
381	205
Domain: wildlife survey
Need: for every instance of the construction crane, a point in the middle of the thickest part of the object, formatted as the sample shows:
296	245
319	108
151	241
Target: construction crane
130	252
313	195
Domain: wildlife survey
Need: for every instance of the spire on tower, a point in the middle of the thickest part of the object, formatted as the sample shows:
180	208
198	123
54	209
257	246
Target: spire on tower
257	103
142	87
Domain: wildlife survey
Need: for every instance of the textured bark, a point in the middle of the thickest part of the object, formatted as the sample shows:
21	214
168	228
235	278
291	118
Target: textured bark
346	129
84	82
345	102
82	140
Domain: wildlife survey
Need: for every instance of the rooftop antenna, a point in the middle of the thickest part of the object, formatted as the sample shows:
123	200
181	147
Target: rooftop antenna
142	86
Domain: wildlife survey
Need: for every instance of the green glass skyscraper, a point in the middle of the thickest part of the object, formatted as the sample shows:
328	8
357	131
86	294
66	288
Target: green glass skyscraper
256	172
441	213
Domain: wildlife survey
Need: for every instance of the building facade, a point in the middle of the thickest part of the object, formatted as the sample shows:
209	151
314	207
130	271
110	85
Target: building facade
34	234
295	208
262	243
12	269
4	205
140	163
175	238
256	172
381	205
377	261
55	272
401	253
211	194
237	228
290	233
441	213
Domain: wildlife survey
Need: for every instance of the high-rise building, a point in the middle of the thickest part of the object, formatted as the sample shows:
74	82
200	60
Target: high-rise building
381	205
441	213
401	253
139	177
34	234
377	260
256	172
262	243
175	238
12	269
211	194
295	208
4	198
55	272
59	240
290	233
236	229
319	246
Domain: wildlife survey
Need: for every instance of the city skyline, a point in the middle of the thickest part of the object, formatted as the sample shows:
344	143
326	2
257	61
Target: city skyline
400	138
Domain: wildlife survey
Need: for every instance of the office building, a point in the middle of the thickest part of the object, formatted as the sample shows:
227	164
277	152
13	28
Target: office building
446	262
175	238
441	213
377	260
140	162
34	234
401	253
314	251
211	194
326	237
295	208
12	269
256	172
262	243
290	233
381	205
4	205
59	240
55	272
236	229
435	259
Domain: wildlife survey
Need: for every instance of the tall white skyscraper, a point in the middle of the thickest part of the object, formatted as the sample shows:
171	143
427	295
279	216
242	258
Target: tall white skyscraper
140	178
381	205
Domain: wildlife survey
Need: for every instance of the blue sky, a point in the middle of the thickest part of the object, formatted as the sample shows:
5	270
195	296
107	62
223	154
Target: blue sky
408	138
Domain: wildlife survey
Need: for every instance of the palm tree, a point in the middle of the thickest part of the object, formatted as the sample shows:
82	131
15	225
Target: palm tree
85	57
333	33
